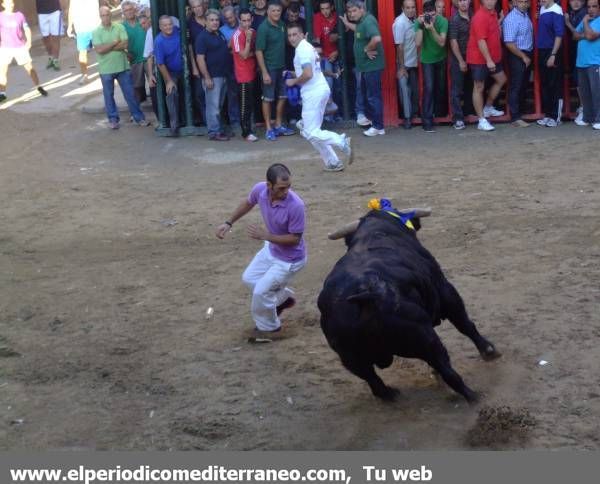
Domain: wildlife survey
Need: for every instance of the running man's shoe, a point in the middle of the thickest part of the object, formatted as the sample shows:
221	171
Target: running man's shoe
362	120
331	167
50	63
347	149
374	132
271	135
55	65
2	97
42	91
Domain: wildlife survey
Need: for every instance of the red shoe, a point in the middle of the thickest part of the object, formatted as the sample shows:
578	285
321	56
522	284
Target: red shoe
290	302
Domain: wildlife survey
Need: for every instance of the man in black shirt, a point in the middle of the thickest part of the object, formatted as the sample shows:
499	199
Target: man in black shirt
50	22
458	33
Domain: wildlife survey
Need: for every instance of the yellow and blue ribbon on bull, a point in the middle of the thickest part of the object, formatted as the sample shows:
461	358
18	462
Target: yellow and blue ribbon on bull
385	205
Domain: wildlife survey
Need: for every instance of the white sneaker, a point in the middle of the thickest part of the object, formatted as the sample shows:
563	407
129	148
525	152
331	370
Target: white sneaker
492	112
347	148
300	125
374	132
459	125
596	125
551	123
484	125
251	138
543	121
362	120
339	167
83	79
579	120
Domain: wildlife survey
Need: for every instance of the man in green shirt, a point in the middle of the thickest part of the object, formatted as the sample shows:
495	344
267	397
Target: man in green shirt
110	42
270	55
370	62
431	30
136	37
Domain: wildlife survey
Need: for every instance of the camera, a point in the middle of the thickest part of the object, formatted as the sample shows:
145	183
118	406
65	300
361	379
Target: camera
427	18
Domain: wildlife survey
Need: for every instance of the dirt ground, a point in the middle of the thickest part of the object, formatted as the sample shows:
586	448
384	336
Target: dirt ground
104	342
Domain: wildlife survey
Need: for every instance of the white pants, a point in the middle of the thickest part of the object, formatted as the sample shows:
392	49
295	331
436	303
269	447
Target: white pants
267	277
313	109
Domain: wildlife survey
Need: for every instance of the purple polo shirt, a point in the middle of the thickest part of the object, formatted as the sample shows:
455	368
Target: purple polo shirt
284	217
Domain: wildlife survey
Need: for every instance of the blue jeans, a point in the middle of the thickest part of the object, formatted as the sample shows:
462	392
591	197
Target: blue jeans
359	102
434	91
126	84
371	86
214	102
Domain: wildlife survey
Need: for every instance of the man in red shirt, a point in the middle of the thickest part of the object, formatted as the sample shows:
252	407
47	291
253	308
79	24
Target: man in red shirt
325	34
244	63
484	56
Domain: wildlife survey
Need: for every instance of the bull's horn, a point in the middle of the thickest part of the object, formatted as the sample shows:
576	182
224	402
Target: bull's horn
419	212
352	226
343	231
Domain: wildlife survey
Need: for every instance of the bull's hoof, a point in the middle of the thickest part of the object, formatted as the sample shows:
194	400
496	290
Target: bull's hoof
387	394
471	397
490	353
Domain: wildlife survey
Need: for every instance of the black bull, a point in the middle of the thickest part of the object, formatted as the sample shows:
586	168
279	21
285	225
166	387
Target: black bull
384	297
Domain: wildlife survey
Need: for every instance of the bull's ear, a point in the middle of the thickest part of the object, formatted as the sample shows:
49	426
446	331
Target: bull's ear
416	223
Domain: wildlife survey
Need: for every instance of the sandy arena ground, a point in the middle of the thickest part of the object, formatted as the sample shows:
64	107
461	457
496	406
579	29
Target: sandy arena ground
104	342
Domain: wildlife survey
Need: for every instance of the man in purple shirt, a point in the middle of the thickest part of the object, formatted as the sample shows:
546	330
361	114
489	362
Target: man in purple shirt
283	253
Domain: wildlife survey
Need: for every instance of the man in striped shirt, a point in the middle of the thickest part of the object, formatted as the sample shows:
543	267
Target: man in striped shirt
518	38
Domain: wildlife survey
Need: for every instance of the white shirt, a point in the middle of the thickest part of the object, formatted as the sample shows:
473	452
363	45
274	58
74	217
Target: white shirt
85	15
404	34
307	55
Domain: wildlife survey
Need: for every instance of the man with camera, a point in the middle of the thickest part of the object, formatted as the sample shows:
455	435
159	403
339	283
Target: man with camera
431	30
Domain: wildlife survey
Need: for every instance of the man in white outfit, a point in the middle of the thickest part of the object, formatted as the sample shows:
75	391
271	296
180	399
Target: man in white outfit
315	93
283	253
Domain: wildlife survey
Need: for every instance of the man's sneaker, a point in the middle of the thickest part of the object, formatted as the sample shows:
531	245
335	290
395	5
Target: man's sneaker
484	125
219	137
143	122
362	120
491	112
271	135
55	65
42	91
330	167
347	148
579	120
50	63
428	128
520	123
283	131
407	124
113	124
374	132
290	302
596	125
251	138
543	121
552	123
459	125
83	79
2	97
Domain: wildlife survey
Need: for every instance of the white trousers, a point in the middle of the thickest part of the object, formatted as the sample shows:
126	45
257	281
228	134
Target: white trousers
313	110
267	277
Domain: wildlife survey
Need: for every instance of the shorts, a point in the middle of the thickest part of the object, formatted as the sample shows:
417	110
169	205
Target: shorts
277	86
50	23
84	41
137	74
20	54
480	72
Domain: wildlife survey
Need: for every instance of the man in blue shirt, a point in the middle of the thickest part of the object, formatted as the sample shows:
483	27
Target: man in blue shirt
518	38
588	64
167	52
215	64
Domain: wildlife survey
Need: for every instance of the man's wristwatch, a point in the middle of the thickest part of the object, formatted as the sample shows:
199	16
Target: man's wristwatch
227	222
